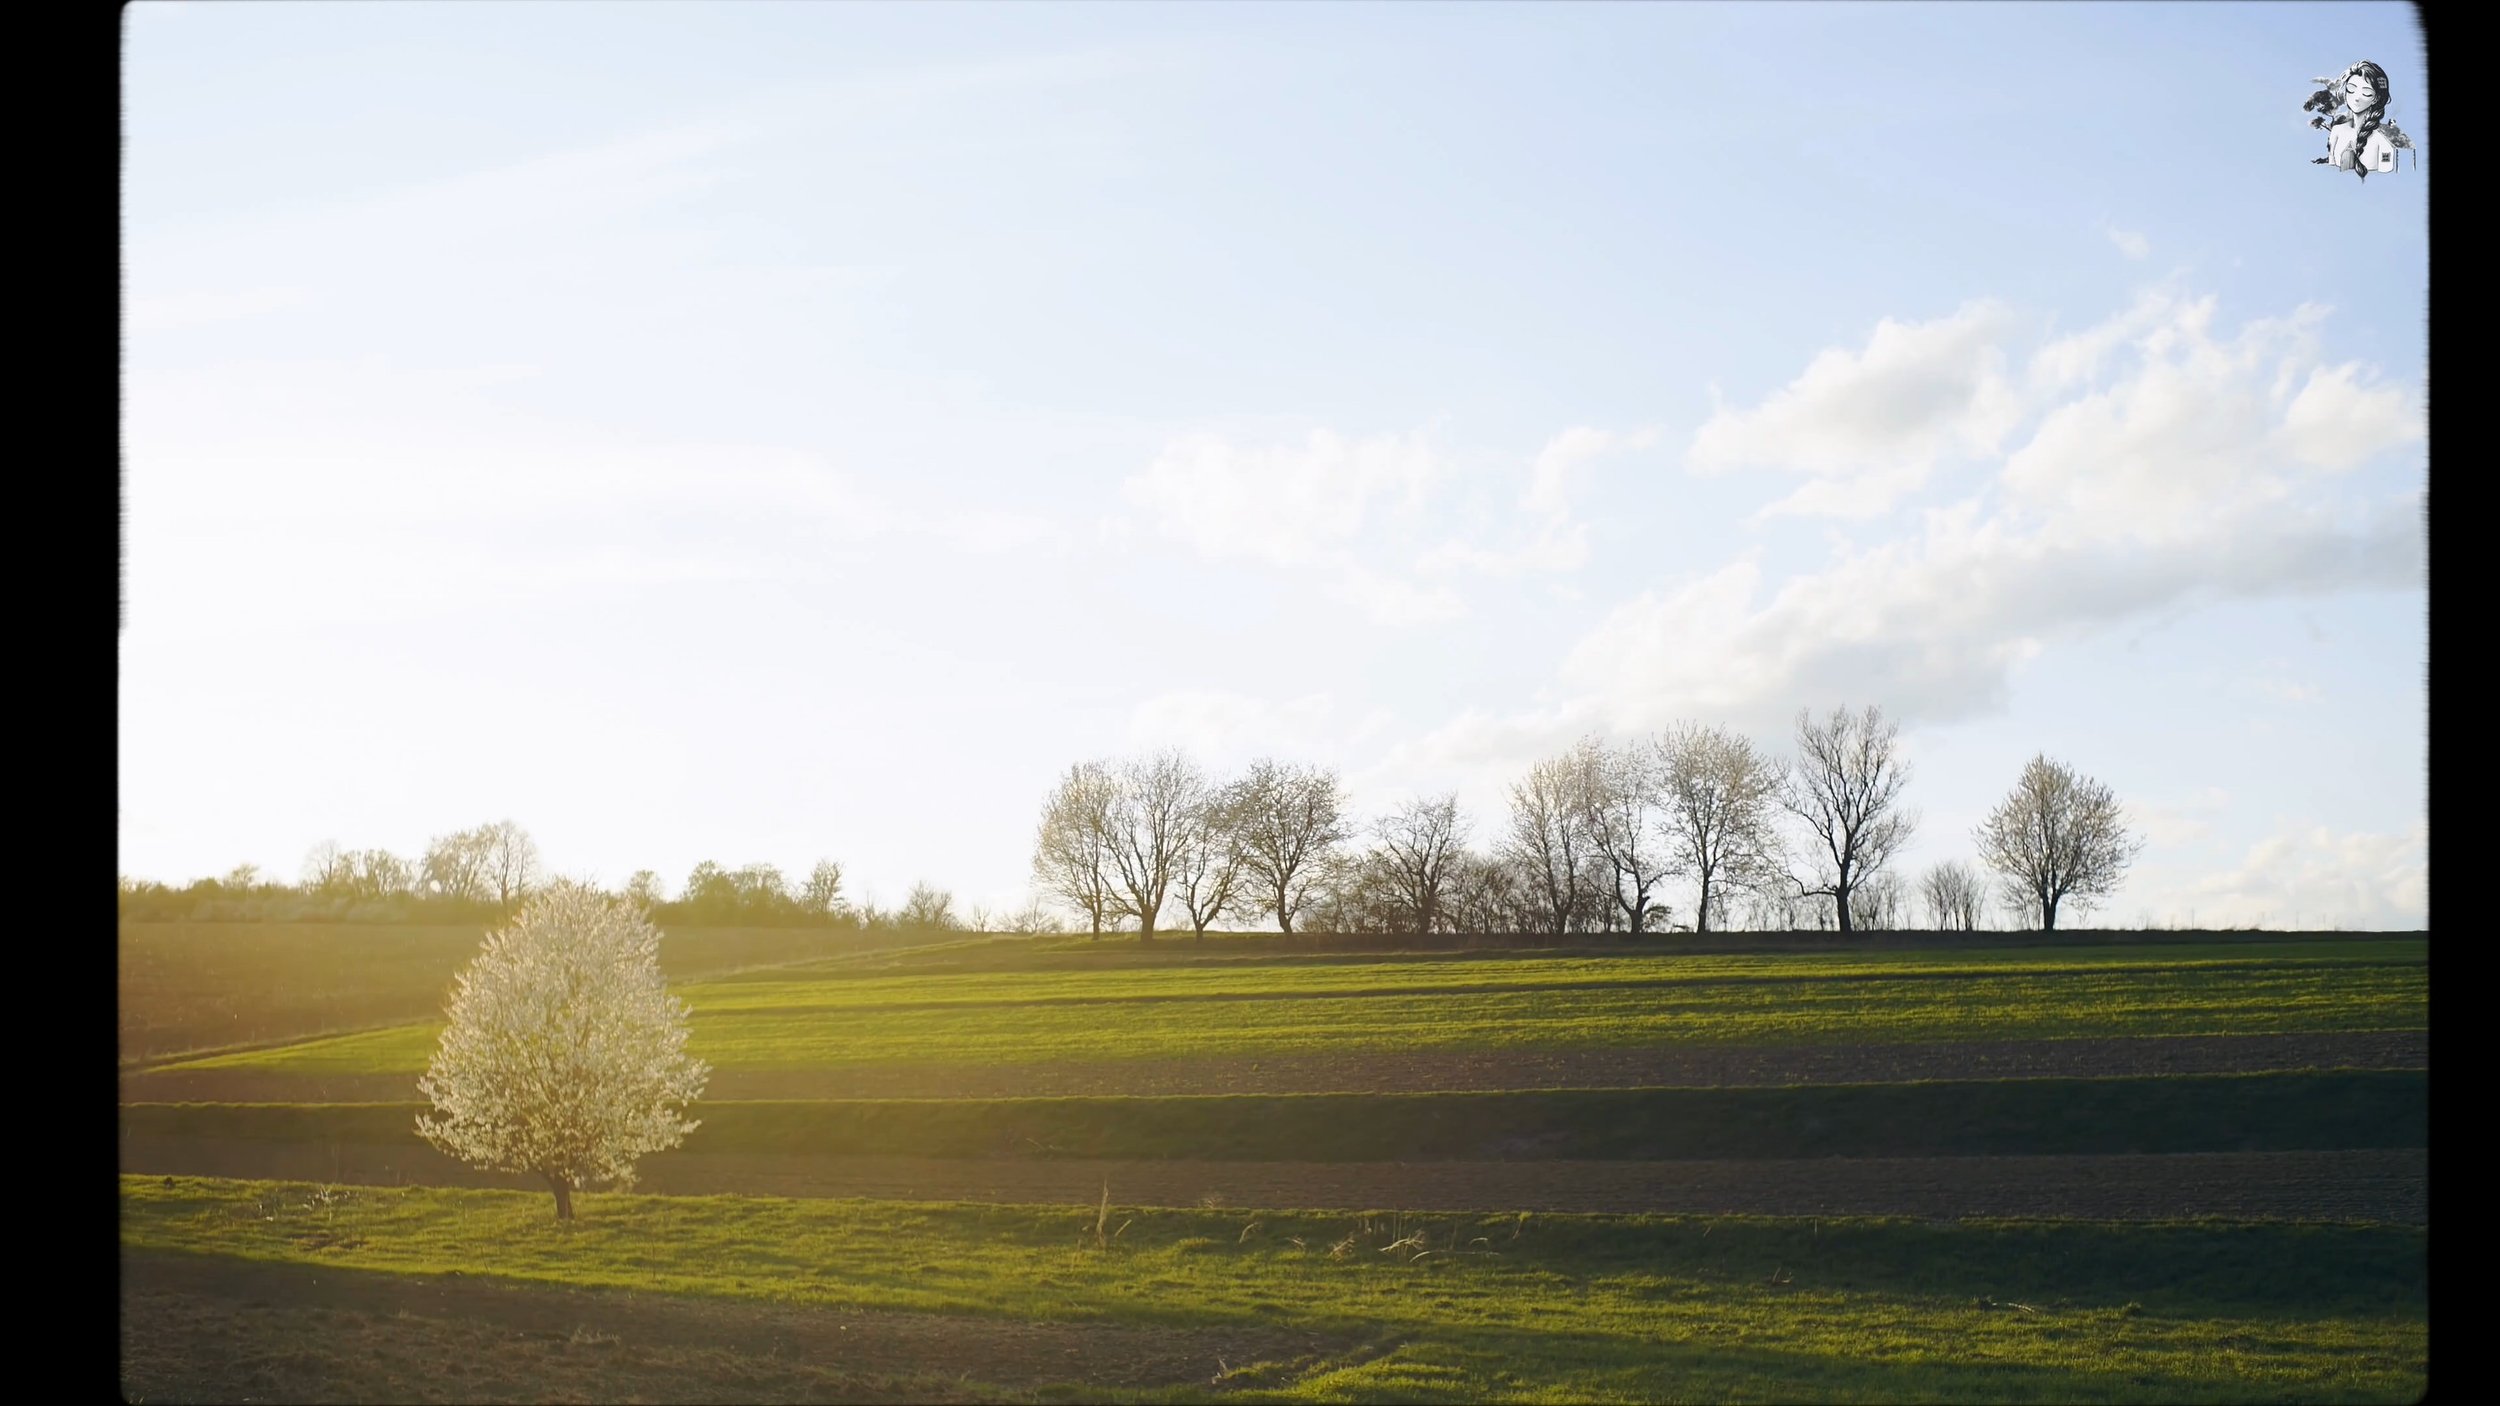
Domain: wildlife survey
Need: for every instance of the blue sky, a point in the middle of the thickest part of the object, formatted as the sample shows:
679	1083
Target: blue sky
767	432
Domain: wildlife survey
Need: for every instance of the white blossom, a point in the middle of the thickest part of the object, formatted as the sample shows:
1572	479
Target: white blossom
565	1057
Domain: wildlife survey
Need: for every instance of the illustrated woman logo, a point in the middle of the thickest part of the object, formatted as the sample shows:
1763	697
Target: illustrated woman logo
2353	110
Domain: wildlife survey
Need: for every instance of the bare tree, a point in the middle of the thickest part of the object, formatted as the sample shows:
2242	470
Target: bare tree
1150	810
1472	903
1072	850
1956	896
1419	845
380	874
1775	908
1720	795
2057	838
242	878
822	894
454	866
1211	875
1879	904
329	869
1549	834
1626	815
761	890
1357	892
1485	894
1846	789
929	909
1033	918
510	860
1290	820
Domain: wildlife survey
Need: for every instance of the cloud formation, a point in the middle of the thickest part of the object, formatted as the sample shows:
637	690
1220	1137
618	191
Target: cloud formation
1357	511
1869	426
1283	505
2162	470
2317	877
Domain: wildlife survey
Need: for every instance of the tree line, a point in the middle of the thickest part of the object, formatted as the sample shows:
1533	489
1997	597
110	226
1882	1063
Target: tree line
1588	842
485	873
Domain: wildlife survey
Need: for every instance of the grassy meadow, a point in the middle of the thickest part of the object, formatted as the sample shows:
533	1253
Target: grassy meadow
1386	1307
1226	1009
246	1283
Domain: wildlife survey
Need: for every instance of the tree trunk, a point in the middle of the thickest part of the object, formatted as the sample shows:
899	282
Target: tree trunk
1701	915
1284	915
564	1195
2048	914
1840	905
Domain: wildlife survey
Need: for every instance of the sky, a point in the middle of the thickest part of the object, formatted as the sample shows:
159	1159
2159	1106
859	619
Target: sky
771	432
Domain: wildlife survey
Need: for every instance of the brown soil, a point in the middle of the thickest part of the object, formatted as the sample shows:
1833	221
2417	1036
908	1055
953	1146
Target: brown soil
2384	1186
1426	1071
215	1329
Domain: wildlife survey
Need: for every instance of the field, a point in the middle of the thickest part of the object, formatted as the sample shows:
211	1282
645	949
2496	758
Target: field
2157	1169
187	987
1241	1014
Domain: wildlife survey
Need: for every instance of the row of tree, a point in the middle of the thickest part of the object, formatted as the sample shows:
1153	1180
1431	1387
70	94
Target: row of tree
488	870
1589	841
481	871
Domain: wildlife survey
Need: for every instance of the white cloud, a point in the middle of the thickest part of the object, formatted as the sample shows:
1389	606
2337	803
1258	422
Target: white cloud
1883	416
2128	242
1344	506
2199	426
2196	423
1388	600
1858	496
2159	484
2079	356
2317	877
2175	823
1477	754
1283	505
1549	480
1555	546
1933	626
2340	420
1558	542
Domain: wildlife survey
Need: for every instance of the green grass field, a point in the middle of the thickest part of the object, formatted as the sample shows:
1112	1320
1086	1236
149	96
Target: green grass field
781	1022
1452	1308
289	1291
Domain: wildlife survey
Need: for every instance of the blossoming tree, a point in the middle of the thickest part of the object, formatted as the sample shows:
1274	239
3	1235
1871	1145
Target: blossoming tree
565	1057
